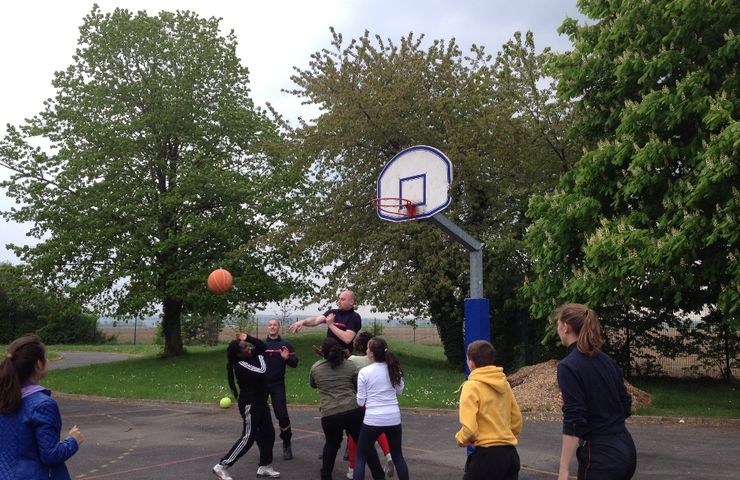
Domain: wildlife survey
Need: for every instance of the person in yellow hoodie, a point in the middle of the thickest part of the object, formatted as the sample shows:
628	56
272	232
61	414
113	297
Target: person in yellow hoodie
490	418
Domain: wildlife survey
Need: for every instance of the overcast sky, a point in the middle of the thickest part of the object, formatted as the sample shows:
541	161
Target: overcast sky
38	38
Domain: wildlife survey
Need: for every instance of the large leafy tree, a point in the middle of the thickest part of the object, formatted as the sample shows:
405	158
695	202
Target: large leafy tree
22	306
503	132
645	227
153	167
25	308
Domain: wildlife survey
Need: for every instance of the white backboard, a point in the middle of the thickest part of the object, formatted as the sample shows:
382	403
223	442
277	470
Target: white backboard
419	175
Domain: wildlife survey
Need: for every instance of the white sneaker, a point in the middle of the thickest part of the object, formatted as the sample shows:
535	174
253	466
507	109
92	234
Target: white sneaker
350	473
267	471
390	469
220	471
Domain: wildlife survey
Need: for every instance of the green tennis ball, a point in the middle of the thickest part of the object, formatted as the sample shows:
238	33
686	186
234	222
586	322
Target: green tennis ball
225	402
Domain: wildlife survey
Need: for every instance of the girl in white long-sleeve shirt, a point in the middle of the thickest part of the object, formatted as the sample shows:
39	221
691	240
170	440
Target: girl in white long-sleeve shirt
378	385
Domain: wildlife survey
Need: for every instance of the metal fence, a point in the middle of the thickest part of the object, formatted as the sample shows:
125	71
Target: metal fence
410	330
709	363
416	331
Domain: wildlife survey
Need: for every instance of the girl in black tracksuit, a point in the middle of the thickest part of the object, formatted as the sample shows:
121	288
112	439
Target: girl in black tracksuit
249	367
595	401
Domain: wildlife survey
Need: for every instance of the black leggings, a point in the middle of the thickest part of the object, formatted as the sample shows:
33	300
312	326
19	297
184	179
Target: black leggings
334	426
257	427
611	457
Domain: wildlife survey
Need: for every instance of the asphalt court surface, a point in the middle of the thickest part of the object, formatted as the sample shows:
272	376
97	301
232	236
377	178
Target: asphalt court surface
160	440
130	439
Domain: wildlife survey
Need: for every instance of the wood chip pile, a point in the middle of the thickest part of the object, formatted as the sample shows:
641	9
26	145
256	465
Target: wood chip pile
536	389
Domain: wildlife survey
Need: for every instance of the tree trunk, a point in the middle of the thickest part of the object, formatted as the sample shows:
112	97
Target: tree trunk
628	344
447	314
728	370
171	328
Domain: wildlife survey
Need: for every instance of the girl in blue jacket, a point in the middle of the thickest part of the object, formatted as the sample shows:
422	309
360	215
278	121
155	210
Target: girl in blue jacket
30	419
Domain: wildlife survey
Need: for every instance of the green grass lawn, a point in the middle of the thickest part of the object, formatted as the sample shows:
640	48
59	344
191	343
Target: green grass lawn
690	398
200	376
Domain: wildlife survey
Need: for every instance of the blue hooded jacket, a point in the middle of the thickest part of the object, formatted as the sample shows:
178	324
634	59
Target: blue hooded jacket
29	445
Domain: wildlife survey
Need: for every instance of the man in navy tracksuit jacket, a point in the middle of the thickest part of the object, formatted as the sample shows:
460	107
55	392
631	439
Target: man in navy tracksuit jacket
279	353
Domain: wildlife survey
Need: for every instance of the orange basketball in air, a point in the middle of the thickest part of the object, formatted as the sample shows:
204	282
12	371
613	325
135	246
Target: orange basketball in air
220	281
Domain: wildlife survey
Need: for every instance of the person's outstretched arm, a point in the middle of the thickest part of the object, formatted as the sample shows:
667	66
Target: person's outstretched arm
307	322
259	346
346	336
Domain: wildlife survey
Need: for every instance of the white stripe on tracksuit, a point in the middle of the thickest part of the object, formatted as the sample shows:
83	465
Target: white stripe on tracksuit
261	369
245	438
247	417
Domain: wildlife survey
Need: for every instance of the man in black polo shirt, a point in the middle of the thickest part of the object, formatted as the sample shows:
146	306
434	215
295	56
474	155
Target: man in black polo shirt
279	353
342	323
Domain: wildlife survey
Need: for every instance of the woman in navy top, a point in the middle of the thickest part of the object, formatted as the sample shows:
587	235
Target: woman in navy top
595	401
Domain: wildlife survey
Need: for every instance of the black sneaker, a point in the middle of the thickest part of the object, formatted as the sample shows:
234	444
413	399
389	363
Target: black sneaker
287	452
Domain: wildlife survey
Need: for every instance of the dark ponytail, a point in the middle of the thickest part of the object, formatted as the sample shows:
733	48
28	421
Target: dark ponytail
232	358
585	324
16	369
332	352
360	342
379	347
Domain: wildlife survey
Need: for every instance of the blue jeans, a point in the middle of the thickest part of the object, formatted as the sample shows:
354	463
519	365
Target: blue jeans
366	448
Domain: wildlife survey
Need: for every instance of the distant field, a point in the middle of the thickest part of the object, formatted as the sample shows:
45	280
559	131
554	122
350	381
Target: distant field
674	367
422	335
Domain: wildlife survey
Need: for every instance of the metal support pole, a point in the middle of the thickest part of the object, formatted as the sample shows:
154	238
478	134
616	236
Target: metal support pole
472	245
476	274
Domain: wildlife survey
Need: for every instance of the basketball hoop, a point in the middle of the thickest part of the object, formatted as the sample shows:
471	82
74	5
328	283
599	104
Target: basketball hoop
400	207
413	185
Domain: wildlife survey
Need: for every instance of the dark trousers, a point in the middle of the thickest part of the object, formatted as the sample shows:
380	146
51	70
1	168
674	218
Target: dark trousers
499	462
366	450
280	407
611	457
334	427
257	427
